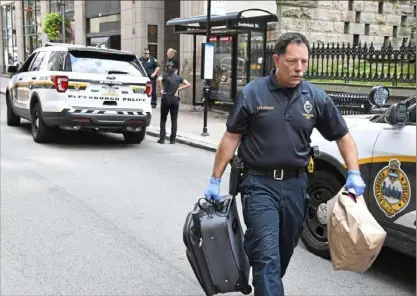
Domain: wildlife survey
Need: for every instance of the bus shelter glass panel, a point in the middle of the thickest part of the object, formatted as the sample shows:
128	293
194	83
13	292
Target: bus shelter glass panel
221	86
242	61
256	55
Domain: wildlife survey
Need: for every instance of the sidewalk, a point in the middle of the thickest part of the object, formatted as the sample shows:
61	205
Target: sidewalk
190	127
4	80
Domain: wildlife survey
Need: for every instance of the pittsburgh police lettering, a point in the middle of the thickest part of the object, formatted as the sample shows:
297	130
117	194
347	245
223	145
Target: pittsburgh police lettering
271	123
102	98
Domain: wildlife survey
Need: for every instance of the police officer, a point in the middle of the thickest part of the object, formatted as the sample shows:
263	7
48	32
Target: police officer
172	61
152	67
272	120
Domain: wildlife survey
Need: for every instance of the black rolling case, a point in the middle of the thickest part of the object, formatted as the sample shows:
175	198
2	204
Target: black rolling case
213	237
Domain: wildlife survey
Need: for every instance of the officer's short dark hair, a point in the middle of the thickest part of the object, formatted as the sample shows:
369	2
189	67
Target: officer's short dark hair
287	38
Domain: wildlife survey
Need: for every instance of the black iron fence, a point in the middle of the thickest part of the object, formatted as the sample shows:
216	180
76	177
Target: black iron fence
345	62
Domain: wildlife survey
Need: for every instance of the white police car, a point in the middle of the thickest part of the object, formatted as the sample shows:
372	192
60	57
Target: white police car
73	87
387	155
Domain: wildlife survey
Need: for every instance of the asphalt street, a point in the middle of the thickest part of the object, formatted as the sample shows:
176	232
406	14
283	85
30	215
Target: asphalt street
91	215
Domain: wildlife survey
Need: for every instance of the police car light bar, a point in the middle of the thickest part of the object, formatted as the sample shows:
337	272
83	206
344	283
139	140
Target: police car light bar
379	95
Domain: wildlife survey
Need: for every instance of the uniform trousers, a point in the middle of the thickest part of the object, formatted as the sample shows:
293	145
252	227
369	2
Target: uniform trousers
274	212
169	104
154	97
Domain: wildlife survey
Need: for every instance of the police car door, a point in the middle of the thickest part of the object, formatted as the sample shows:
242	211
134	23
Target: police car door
22	87
393	178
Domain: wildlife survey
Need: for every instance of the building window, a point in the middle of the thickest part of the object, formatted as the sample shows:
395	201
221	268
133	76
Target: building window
8	14
153	40
31	25
346	28
153	33
355	40
395	31
358	17
153	50
386	41
381	7
350	5
103	24
367	29
105	31
55	6
403	20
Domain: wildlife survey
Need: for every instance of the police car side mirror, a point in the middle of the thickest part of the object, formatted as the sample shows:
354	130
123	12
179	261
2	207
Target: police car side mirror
12	69
397	115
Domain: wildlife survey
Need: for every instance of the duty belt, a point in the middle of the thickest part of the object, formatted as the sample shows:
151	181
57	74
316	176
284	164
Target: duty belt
278	174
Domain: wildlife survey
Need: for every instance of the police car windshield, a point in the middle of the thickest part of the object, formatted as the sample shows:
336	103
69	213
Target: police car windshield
105	63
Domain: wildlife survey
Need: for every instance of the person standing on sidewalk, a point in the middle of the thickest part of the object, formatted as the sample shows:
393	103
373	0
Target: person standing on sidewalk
172	61
169	85
152	67
272	120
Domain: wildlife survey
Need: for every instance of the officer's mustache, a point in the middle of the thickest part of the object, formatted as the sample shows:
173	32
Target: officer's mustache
299	74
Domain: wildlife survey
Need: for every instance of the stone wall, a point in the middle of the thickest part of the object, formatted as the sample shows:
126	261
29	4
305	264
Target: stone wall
339	21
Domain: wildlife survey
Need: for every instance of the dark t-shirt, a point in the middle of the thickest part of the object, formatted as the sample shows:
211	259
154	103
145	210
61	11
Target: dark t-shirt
276	123
173	63
171	83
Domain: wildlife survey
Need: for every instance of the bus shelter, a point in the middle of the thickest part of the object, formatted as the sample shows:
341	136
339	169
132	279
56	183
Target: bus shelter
236	35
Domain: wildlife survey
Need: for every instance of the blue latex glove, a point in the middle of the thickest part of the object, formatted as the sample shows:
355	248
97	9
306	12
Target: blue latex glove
213	189
355	181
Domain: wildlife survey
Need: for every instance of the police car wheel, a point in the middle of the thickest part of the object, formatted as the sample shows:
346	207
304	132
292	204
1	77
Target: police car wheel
322	186
41	133
12	119
135	137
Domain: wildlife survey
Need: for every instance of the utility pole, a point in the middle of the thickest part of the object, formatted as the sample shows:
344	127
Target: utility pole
61	5
207	87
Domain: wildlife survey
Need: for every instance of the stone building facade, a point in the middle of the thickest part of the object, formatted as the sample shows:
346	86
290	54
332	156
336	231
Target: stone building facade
143	22
350	21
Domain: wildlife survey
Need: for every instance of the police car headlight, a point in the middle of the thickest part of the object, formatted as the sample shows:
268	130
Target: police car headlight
378	95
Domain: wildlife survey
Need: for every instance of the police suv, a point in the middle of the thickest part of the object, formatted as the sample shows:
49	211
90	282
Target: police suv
74	87
386	144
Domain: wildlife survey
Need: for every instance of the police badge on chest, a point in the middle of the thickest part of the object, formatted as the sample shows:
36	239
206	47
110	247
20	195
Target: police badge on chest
308	108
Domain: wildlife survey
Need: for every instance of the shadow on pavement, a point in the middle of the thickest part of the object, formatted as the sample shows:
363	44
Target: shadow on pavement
85	139
395	267
391	266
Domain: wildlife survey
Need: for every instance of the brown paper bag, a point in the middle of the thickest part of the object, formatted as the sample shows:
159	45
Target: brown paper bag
355	237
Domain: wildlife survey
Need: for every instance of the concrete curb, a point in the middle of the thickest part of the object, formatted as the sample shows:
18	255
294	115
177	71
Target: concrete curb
184	140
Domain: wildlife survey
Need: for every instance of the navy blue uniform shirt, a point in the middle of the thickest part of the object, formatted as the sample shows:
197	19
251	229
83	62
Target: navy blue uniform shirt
277	123
150	64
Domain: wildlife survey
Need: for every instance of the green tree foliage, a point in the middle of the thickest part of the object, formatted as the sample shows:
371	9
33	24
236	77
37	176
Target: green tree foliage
52	26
